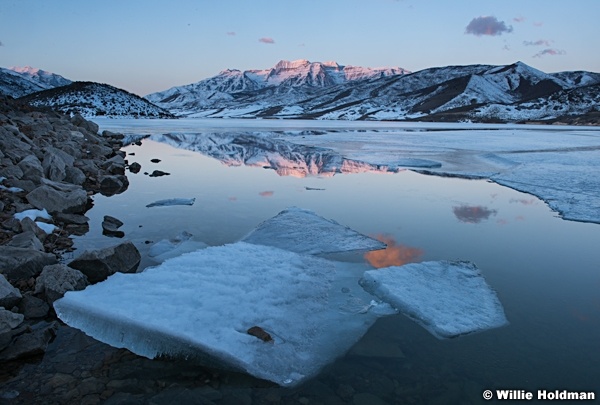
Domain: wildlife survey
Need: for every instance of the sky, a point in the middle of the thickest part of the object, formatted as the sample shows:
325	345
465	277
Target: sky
145	46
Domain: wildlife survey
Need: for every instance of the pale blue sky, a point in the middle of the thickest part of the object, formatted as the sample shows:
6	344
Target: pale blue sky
145	46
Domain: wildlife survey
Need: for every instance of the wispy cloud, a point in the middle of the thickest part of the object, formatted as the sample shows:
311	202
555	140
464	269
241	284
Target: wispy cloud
266	193
487	25
519	19
538	24
231	33
266	40
539	42
550	51
1	43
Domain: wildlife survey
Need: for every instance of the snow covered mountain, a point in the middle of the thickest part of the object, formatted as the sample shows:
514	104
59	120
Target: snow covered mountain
21	81
301	89
94	99
293	80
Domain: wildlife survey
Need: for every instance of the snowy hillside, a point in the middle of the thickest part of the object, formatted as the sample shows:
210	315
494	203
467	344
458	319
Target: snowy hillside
296	80
301	89
95	99
18	82
45	79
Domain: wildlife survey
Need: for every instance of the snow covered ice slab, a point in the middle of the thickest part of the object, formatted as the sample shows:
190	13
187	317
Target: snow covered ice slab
303	231
446	298
202	304
172	201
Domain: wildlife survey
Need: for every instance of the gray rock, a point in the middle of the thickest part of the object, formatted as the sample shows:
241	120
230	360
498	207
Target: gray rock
59	197
33	307
54	166
81	122
29	225
113	184
110	227
98	264
30	344
26	240
9	295
32	168
74	175
114	165
9	320
135	167
21	264
55	280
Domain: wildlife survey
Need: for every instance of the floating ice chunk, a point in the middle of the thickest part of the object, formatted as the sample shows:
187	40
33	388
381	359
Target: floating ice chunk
303	231
33	214
201	304
180	244
446	298
172	201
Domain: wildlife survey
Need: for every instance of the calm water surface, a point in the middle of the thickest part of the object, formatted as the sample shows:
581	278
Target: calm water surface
546	272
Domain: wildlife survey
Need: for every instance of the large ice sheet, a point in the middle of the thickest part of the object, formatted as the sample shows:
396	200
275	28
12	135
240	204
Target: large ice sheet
302	231
204	302
447	298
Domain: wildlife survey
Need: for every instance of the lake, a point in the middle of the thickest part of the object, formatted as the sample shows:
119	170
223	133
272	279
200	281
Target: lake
545	270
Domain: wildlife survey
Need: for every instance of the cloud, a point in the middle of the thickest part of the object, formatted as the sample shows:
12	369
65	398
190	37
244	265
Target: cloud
266	40
538	23
519	19
1	43
550	51
472	214
231	33
393	255
539	42
487	26
266	193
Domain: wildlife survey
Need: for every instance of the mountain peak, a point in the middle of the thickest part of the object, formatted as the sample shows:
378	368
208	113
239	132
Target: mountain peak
295	64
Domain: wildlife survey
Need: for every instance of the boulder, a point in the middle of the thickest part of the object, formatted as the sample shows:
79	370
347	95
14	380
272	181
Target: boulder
26	240
30	344
29	225
55	280
9	320
21	264
33	307
113	184
59	197
81	122
110	227
114	165
135	167
32	168
55	168
98	264
9	295
74	175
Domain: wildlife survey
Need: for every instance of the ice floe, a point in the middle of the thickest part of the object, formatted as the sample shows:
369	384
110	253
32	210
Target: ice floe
203	303
446	298
302	231
172	201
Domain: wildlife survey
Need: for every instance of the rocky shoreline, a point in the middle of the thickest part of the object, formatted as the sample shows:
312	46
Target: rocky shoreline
50	166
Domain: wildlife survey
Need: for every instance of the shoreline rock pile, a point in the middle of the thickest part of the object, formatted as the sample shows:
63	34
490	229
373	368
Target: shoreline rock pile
50	165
